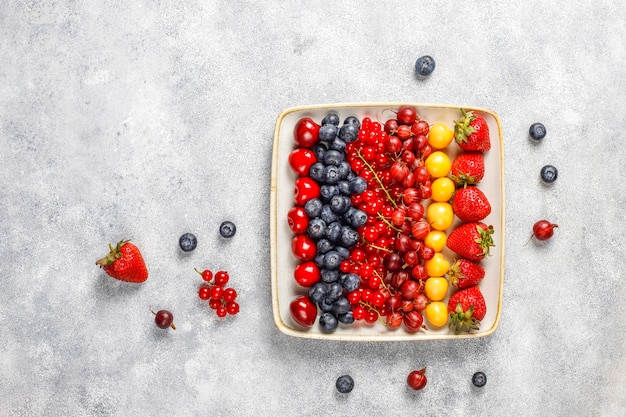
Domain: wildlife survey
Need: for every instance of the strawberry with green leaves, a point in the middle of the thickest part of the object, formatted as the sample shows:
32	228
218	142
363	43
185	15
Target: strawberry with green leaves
464	273
124	262
468	168
471	240
470	204
471	132
467	308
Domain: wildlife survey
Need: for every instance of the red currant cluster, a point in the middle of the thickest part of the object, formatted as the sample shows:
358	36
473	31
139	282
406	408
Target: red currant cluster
221	299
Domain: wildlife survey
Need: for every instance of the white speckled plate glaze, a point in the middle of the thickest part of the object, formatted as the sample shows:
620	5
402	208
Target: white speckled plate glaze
285	288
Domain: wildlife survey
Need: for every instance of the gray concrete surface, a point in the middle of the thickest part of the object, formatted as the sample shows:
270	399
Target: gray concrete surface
147	119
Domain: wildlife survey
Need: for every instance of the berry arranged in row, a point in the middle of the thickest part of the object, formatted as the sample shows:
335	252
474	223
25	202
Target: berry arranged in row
214	290
373	203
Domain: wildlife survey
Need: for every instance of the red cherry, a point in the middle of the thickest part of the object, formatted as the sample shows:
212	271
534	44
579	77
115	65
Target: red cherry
301	159
298	220
307	273
306	189
303	247
306	132
417	379
543	229
303	311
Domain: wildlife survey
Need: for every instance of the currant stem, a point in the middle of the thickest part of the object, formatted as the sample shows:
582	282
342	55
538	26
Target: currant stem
388	223
377	178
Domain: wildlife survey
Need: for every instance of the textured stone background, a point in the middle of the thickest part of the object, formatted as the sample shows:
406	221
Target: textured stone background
150	118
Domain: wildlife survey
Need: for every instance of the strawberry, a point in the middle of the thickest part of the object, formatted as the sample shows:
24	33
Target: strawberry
467	308
470	204
124	262
471	132
471	240
468	168
464	273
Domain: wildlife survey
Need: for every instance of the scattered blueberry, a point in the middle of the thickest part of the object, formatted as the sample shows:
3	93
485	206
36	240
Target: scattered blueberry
344	384
537	131
549	173
188	242
328	322
479	379
228	229
424	66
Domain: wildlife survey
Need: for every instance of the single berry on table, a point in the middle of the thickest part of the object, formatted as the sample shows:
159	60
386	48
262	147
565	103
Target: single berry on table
344	384
543	229
164	319
417	379
424	66
228	229
537	131
479	379
549	173
188	242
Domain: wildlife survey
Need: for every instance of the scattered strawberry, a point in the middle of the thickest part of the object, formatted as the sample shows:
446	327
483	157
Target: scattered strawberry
467	308
470	204
471	132
464	273
124	262
471	240
468	168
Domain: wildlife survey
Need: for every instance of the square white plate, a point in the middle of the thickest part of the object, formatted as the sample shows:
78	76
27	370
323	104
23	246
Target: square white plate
283	263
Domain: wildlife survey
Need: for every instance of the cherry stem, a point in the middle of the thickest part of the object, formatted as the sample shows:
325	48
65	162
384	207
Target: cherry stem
377	178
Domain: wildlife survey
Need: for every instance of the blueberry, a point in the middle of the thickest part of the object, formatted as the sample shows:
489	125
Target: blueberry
228	229
349	237
537	131
325	305
341	306
350	282
340	203
358	185
328	322
323	246
333	157
188	242
346	318
327	132
332	260
313	207
328	191
358	218
549	173
329	276
333	232
328	215
317	228
344	253
424	66
338	144
318	292
344	170
335	290
317	171
331	119
479	379
344	384
349	132
319	260
319	149
344	187
331	174
352	120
